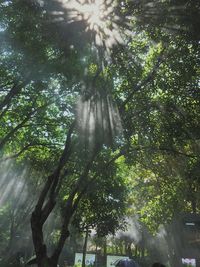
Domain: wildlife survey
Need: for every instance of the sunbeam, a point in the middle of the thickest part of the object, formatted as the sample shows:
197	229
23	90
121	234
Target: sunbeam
100	18
98	120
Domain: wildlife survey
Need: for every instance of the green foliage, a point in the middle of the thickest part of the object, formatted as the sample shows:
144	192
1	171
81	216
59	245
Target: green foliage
104	205
153	78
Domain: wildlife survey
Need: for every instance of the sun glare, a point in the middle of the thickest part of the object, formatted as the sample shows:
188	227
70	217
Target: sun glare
93	14
100	19
98	118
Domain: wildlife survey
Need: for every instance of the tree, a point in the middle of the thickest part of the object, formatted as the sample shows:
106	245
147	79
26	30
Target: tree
75	145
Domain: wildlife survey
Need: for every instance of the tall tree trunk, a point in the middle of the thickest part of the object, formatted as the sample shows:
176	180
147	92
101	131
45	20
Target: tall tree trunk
192	195
37	234
136	251
85	247
47	202
194	205
96	252
142	245
44	207
104	247
128	250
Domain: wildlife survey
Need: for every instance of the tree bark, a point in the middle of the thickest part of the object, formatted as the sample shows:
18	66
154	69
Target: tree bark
47	201
44	207
14	91
85	248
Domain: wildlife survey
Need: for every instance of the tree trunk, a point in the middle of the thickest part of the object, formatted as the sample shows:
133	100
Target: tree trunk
40	248
85	248
192	195
193	201
96	252
37	234
105	247
136	251
128	250
44	207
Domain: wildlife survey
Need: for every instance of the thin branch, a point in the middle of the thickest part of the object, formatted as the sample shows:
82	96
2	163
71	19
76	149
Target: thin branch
165	149
28	147
173	151
20	125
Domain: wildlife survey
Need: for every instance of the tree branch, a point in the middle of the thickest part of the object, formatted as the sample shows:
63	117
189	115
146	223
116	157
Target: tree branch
53	178
26	148
14	91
